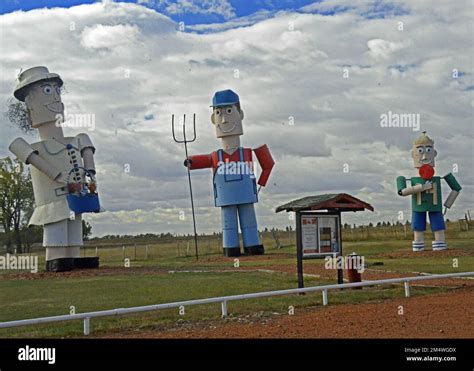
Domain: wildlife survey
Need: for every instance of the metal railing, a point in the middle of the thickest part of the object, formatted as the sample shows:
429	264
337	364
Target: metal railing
86	317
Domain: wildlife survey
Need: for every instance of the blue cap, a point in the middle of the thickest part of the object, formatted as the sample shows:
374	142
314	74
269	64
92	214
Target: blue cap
225	98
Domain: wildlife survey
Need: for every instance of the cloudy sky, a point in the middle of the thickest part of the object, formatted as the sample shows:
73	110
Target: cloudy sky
314	80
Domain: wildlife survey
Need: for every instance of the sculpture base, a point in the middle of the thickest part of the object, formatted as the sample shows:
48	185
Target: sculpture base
60	265
68	264
86	263
254	250
231	251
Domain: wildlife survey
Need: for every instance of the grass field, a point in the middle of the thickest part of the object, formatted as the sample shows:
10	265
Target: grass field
150	281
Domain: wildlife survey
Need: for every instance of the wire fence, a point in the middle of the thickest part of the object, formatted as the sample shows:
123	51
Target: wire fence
181	247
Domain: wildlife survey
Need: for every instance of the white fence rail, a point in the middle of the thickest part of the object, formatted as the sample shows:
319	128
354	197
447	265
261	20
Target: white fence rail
223	300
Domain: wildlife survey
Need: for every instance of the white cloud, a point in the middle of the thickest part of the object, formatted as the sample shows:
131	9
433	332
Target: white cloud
379	48
282	74
108	37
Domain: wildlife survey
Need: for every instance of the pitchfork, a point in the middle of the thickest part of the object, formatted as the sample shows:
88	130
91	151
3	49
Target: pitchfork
185	141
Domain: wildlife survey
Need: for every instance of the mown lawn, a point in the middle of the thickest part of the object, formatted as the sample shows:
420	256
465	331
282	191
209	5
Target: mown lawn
48	297
23	297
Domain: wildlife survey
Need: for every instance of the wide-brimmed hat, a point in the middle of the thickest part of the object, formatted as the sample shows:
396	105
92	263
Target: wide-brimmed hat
32	75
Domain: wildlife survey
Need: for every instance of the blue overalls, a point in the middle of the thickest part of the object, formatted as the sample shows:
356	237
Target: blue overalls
235	191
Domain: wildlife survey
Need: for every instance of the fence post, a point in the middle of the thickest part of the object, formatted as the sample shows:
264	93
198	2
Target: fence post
135	252
407	289
325	297
224	308
123	252
96	251
146	252
87	325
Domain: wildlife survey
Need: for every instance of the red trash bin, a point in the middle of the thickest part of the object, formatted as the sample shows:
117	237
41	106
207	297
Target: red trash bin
353	275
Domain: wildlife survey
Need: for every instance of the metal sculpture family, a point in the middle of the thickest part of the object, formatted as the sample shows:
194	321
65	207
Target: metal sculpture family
64	184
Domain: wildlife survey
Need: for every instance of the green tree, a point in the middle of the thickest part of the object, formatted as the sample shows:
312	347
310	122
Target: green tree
30	235
16	201
86	230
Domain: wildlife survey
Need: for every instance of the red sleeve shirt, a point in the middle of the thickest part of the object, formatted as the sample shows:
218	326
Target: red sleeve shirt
266	161
212	160
263	154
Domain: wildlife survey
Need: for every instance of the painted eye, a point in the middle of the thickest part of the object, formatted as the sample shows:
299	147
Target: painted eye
420	150
229	110
218	112
58	90
47	89
428	150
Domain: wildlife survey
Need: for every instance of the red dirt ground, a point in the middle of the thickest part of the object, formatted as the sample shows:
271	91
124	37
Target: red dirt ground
450	253
102	271
446	315
312	269
369	275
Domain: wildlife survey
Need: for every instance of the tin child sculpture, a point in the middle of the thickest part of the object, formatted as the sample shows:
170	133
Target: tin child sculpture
425	192
235	187
62	171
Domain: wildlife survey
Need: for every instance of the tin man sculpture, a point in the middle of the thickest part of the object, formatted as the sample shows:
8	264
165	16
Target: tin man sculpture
425	191
235	186
62	171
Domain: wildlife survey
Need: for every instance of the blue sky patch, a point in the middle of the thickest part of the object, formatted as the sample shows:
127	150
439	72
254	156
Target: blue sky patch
191	12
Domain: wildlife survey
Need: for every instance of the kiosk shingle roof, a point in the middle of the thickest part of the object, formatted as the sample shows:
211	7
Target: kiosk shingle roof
329	201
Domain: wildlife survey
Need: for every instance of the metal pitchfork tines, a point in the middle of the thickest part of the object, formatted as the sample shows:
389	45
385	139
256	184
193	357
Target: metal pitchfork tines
186	141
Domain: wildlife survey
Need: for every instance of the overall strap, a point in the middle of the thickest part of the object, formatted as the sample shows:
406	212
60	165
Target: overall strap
241	154
219	155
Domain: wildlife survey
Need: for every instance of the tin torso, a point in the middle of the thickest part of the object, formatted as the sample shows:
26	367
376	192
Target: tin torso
427	200
234	181
50	195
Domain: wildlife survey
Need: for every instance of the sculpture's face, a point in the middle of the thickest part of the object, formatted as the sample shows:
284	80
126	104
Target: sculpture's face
423	154
227	120
44	104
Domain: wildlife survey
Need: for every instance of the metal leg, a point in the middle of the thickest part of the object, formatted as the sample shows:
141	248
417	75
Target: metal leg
230	232
248	225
